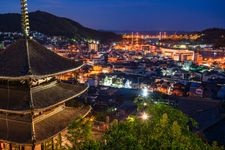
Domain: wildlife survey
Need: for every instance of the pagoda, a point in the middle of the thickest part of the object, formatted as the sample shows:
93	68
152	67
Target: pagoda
36	107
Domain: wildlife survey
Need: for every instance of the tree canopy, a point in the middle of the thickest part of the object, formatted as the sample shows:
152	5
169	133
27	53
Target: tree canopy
155	126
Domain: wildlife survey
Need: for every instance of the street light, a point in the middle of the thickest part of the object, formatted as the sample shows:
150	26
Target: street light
144	116
145	92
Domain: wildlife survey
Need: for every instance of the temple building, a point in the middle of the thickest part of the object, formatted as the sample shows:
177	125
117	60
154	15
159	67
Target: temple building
36	106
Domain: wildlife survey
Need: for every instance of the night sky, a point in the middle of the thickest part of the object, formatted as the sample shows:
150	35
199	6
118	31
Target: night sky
136	15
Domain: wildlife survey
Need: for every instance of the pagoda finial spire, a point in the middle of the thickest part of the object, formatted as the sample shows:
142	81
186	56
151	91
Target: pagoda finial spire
25	18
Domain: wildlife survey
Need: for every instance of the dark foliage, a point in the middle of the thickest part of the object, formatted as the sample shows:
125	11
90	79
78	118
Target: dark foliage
214	36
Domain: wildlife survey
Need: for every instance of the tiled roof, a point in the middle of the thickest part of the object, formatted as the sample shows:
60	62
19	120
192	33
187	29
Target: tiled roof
15	60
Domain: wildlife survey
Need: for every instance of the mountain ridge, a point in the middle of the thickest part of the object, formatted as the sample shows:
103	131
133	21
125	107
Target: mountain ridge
52	25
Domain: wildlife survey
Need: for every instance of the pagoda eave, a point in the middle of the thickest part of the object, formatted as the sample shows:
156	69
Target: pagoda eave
27	77
81	114
21	133
63	101
43	98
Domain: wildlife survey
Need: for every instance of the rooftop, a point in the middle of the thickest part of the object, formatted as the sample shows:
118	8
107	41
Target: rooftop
19	100
24	60
20	131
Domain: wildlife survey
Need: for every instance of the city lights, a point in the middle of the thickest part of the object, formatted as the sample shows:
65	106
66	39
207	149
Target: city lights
64	85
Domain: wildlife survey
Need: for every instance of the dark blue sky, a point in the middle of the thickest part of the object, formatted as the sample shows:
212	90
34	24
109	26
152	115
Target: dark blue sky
138	15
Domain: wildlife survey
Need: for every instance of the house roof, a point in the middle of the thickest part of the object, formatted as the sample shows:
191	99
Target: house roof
29	59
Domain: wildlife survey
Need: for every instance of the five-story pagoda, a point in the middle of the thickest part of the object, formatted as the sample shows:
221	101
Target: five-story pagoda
35	106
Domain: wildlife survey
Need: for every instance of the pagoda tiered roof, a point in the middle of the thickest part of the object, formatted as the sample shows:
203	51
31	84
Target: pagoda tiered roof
18	100
27	58
19	131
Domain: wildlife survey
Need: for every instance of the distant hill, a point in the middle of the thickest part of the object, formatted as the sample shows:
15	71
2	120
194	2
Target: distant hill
49	24
214	36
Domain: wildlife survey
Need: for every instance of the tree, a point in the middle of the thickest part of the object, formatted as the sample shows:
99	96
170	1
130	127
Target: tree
166	128
162	127
79	133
